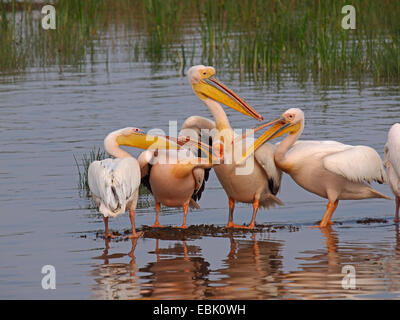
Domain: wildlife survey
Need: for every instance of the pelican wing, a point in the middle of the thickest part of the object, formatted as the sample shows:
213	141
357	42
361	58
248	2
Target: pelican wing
304	149
201	176
115	183
356	163
264	155
392	149
199	129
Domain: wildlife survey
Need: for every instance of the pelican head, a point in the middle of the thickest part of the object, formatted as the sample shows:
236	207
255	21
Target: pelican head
129	130
134	137
117	136
291	121
293	117
205	86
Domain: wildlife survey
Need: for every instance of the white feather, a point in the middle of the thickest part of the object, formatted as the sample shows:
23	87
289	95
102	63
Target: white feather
392	148
357	163
265	157
392	158
304	149
114	184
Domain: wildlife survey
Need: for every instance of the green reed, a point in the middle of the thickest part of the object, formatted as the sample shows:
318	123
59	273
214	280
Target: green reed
306	38
260	39
95	154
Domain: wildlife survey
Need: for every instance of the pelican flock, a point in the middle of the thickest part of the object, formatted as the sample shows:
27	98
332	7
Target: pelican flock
175	170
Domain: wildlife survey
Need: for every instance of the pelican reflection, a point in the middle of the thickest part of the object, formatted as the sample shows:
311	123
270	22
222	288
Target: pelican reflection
250	270
179	272
116	280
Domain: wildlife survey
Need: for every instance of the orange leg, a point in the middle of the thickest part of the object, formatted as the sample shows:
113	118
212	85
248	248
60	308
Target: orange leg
230	223
330	209
134	233
185	210
157	222
396	218
107	233
253	219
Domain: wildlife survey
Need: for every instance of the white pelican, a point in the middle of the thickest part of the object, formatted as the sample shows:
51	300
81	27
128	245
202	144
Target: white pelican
392	163
329	169
114	183
258	186
175	178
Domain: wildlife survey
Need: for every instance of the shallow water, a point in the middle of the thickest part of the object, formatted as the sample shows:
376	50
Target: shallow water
47	117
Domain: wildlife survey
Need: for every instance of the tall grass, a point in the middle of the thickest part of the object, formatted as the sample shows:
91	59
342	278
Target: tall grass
266	38
260	39
96	154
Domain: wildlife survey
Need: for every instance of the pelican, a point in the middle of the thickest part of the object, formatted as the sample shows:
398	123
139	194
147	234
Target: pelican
392	163
261	183
330	169
176	178
114	183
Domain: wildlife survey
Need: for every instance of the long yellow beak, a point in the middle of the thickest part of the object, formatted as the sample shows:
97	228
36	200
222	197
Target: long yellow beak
279	127
216	90
152	142
146	141
254	130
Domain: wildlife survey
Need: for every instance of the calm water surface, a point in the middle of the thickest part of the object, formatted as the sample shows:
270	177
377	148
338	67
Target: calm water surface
47	117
